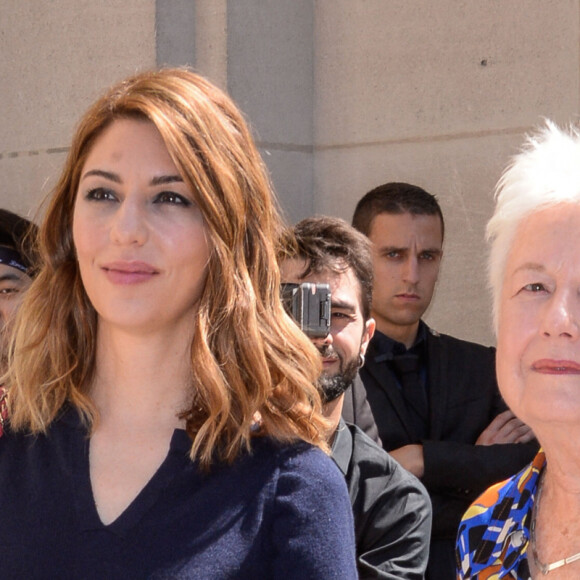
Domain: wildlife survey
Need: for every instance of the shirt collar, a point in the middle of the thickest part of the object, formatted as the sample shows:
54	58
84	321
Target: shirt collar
387	347
342	447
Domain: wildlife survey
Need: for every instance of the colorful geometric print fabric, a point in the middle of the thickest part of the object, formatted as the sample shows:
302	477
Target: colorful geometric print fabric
494	533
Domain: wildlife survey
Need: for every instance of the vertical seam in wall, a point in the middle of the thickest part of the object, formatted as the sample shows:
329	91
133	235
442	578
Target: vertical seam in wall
156	33
211	40
226	72
313	109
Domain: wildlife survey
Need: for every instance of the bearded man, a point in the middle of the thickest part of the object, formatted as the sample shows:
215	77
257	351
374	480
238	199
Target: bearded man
392	511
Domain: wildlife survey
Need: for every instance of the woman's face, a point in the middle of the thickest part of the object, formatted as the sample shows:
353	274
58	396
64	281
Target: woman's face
538	353
140	238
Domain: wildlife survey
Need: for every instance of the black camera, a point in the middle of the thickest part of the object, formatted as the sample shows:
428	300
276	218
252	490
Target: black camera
309	305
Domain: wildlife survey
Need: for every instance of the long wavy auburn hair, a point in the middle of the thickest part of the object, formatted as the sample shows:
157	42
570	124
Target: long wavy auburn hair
248	358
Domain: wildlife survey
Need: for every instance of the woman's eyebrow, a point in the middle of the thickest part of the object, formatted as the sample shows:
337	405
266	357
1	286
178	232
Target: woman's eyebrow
160	180
163	179
533	266
100	173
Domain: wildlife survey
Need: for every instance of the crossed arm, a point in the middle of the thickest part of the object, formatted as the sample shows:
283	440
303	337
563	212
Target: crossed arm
503	429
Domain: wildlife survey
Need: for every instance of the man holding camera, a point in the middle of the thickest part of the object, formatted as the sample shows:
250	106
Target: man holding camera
391	508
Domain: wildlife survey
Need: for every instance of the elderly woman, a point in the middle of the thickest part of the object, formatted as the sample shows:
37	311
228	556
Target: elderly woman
529	525
164	419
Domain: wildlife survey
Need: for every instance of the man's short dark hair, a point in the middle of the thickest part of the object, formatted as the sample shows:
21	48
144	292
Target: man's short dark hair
19	234
395	198
328	243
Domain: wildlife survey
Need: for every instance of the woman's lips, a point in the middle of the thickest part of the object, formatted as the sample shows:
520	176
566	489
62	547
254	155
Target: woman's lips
129	272
556	367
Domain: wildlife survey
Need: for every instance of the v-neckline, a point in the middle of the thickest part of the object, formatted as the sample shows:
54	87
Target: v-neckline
145	499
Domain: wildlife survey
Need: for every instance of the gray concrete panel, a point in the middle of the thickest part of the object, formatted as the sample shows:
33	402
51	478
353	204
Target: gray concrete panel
211	40
271	77
409	68
175	32
28	179
55	59
291	173
270	67
58	56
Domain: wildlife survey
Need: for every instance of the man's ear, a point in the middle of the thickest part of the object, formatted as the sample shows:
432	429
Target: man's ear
369	330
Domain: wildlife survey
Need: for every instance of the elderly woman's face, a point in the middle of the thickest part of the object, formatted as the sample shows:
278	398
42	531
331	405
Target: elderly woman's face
538	358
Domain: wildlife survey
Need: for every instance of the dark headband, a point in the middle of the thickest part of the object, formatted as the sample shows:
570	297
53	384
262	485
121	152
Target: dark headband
12	258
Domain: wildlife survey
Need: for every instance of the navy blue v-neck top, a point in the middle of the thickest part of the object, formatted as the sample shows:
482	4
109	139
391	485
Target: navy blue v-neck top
281	512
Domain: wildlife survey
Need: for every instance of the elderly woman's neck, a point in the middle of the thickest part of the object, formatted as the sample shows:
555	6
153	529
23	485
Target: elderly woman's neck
563	470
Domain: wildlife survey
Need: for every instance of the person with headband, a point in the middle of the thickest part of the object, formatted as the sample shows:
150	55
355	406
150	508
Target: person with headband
17	268
177	427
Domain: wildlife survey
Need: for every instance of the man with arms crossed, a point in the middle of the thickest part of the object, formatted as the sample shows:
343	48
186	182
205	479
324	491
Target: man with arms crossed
434	397
391	508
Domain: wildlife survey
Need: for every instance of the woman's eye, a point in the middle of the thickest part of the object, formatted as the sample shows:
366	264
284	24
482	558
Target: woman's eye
100	194
534	287
172	198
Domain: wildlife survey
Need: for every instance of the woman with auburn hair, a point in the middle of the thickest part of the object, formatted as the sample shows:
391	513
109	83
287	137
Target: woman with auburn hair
529	526
172	401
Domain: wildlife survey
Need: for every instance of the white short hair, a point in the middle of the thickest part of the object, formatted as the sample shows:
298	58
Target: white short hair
545	172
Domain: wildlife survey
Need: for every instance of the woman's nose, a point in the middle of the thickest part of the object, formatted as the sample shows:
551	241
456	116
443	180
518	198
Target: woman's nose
562	315
129	224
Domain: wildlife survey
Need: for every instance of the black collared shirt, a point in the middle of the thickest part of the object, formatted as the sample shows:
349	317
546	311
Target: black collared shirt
389	349
392	510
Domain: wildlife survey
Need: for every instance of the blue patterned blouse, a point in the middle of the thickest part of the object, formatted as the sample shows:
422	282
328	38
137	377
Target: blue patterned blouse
494	533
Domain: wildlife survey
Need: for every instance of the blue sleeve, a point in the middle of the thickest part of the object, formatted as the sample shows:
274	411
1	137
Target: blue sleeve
312	525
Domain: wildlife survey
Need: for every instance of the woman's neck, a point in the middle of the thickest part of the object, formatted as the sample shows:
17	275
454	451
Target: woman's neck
560	444
555	528
142	376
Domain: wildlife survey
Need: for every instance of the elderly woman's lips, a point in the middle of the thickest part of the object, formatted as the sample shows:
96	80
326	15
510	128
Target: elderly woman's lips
554	367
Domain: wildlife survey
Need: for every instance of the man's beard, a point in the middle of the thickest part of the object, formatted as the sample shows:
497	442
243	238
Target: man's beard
331	387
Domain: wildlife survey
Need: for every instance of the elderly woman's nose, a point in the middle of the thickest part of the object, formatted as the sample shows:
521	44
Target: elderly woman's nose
562	315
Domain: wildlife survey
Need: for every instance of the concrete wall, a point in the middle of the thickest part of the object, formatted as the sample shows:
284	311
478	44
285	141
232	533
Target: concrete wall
343	95
55	58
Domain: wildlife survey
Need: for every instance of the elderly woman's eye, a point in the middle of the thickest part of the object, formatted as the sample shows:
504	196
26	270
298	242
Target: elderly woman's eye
534	287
